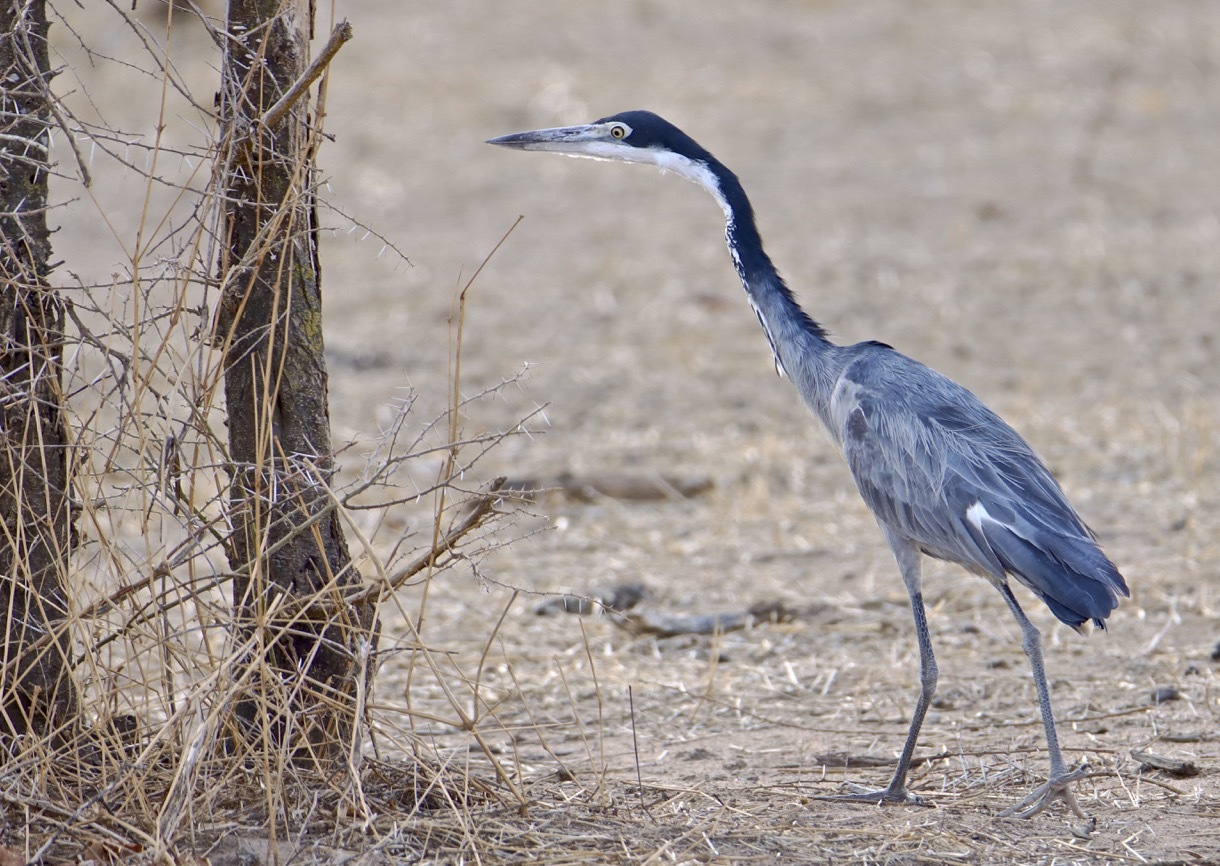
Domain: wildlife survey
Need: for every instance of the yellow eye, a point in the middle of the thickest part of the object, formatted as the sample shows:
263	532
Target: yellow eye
618	131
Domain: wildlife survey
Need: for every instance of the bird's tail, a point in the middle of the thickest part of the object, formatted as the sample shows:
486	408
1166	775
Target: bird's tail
1070	573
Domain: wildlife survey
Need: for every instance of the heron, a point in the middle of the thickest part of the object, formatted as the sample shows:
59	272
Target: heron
943	474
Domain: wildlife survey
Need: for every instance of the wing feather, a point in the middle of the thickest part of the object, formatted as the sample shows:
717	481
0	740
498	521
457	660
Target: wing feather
941	470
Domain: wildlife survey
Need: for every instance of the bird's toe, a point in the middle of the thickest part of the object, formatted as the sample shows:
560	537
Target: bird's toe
1058	787
861	794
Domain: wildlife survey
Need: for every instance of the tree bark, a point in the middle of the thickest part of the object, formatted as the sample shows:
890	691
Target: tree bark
287	548
37	694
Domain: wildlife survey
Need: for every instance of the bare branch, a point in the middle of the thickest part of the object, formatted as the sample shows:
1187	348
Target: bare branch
341	34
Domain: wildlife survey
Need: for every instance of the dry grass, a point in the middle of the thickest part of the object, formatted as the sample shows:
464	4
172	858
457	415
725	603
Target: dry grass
158	767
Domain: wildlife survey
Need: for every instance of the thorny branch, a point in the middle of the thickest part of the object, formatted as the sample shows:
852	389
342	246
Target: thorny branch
341	34
152	633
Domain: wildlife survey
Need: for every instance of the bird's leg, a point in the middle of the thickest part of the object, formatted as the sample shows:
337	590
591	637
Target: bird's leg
896	791
1058	785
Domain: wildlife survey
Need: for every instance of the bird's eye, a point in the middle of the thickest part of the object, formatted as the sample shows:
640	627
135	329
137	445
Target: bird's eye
618	131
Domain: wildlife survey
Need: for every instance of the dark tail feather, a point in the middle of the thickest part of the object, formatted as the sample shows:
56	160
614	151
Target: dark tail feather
1072	575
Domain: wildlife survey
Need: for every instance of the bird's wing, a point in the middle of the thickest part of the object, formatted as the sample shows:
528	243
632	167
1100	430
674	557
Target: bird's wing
909	481
941	470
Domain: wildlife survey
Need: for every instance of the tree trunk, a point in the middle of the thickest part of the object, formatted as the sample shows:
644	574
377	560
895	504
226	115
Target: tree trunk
287	548
37	694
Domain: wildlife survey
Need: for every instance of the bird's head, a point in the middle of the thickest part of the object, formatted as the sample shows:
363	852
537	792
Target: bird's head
632	136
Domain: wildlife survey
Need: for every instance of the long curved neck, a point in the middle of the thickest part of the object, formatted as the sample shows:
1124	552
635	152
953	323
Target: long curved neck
787	325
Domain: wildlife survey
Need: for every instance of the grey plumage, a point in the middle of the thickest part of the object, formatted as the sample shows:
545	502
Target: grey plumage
943	474
947	474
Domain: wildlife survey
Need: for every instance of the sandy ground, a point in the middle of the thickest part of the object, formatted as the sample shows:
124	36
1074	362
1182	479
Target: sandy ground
1022	195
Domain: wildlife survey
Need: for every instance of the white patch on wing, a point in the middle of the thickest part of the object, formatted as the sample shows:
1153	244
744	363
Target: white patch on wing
976	514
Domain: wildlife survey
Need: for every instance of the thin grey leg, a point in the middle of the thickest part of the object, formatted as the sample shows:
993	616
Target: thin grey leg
896	792
1058	784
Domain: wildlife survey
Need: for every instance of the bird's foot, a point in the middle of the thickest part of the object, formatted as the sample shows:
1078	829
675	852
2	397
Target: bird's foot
860	794
1056	788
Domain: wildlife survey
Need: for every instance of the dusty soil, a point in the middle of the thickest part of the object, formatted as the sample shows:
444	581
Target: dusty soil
1023	195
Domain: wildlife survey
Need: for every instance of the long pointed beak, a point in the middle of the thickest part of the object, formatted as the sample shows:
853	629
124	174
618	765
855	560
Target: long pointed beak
561	139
